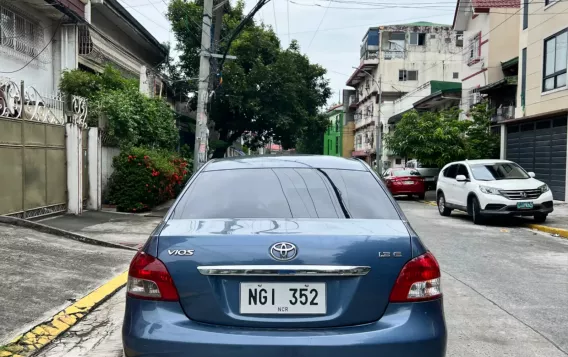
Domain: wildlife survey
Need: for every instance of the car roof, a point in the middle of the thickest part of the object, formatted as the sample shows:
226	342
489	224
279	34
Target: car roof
285	161
479	162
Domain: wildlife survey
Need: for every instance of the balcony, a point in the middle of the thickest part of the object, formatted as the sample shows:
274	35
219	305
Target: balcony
391	55
503	113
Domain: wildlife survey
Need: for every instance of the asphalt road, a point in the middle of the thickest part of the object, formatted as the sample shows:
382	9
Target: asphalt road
505	287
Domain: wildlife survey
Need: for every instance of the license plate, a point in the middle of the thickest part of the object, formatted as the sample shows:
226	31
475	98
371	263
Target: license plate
283	298
429	179
408	182
525	205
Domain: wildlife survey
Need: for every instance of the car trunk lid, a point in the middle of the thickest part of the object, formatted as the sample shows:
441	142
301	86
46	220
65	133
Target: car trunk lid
350	264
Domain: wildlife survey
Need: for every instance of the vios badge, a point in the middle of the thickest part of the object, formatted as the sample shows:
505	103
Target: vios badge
181	252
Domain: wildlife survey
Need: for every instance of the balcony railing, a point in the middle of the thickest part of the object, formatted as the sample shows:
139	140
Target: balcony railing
389	55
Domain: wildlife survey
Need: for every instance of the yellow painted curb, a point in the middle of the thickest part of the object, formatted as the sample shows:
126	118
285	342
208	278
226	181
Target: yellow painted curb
563	233
431	203
42	334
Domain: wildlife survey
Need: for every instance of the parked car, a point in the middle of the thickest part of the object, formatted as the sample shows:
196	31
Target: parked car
430	174
405	182
284	256
492	188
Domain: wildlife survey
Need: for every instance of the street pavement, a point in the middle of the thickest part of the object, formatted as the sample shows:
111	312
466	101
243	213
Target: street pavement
505	291
43	273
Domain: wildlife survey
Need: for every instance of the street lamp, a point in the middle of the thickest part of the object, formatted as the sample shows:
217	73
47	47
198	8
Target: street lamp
378	125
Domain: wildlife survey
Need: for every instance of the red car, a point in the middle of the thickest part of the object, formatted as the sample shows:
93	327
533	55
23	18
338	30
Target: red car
405	182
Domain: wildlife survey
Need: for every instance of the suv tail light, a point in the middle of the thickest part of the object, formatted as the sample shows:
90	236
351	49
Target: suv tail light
149	279
419	280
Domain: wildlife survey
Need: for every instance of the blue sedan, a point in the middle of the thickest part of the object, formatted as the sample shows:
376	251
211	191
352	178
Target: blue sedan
303	256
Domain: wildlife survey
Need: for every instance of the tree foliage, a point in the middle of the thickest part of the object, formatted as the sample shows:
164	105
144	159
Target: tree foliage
311	137
132	118
267	91
436	138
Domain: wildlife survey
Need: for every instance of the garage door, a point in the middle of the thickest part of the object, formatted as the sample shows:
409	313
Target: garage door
540	146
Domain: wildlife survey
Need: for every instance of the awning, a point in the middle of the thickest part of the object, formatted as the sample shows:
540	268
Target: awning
507	81
395	118
359	74
438	99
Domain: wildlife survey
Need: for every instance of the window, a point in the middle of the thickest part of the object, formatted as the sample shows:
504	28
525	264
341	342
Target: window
462	170
459	39
451	171
474	53
455	75
284	193
19	34
398	161
525	14
498	171
404	75
555	57
336	124
418	39
432	36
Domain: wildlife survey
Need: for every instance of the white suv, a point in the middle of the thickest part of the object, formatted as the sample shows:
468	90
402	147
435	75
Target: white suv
492	187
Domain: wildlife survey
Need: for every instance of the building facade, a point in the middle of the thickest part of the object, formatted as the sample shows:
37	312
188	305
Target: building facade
490	53
536	136
333	137
396	60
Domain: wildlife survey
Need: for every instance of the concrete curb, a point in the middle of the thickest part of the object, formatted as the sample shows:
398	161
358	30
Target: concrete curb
561	232
43	334
60	232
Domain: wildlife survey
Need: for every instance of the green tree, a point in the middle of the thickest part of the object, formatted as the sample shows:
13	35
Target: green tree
310	140
436	138
433	138
482	143
268	91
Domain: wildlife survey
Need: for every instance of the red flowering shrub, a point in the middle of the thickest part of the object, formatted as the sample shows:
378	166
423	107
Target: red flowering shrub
144	178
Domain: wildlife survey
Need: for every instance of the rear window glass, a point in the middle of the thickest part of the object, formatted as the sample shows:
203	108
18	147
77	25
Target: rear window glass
406	173
284	193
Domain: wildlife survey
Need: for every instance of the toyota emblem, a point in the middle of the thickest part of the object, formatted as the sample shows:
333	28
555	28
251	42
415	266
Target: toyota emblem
283	251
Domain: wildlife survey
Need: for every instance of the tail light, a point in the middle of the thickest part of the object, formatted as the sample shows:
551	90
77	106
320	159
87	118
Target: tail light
149	279
419	280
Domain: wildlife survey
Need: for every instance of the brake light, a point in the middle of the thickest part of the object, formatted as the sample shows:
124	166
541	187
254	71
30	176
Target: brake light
148	278
419	280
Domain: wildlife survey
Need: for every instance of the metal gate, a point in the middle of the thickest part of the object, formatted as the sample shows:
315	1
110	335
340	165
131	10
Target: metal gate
33	176
540	146
85	171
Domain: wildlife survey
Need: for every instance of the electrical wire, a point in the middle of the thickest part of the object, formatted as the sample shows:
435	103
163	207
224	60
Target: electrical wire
274	11
40	52
288	16
321	21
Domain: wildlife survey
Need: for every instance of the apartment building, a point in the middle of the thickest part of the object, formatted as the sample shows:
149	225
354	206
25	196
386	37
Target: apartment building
490	53
396	60
536	136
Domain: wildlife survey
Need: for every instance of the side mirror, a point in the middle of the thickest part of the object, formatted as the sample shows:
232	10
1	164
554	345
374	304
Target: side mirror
461	178
531	174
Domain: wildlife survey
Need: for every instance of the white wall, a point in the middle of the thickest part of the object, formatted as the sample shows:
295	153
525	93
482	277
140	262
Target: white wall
107	154
40	72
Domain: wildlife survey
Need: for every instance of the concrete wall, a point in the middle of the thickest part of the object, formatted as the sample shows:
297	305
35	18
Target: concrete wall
544	21
348	139
107	154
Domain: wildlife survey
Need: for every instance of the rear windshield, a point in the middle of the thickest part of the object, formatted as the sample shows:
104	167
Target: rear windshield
284	193
406	173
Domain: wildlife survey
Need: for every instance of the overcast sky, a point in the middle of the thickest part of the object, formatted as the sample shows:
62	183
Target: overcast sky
329	37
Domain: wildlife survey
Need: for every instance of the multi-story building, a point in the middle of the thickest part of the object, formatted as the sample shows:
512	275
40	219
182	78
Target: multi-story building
490	54
395	60
332	139
536	136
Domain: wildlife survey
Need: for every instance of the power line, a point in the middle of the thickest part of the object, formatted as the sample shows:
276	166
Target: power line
149	19
321	21
274	11
288	16
40	52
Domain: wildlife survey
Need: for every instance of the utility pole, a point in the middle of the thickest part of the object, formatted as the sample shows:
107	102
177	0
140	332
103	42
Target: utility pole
379	133
201	130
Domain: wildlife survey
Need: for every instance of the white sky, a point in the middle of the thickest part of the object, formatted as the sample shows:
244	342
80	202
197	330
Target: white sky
336	44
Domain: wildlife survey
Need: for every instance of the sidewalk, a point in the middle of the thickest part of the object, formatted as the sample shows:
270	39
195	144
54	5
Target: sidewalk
123	228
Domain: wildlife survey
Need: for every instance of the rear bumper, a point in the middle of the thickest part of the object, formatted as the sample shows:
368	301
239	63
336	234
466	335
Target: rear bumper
162	329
